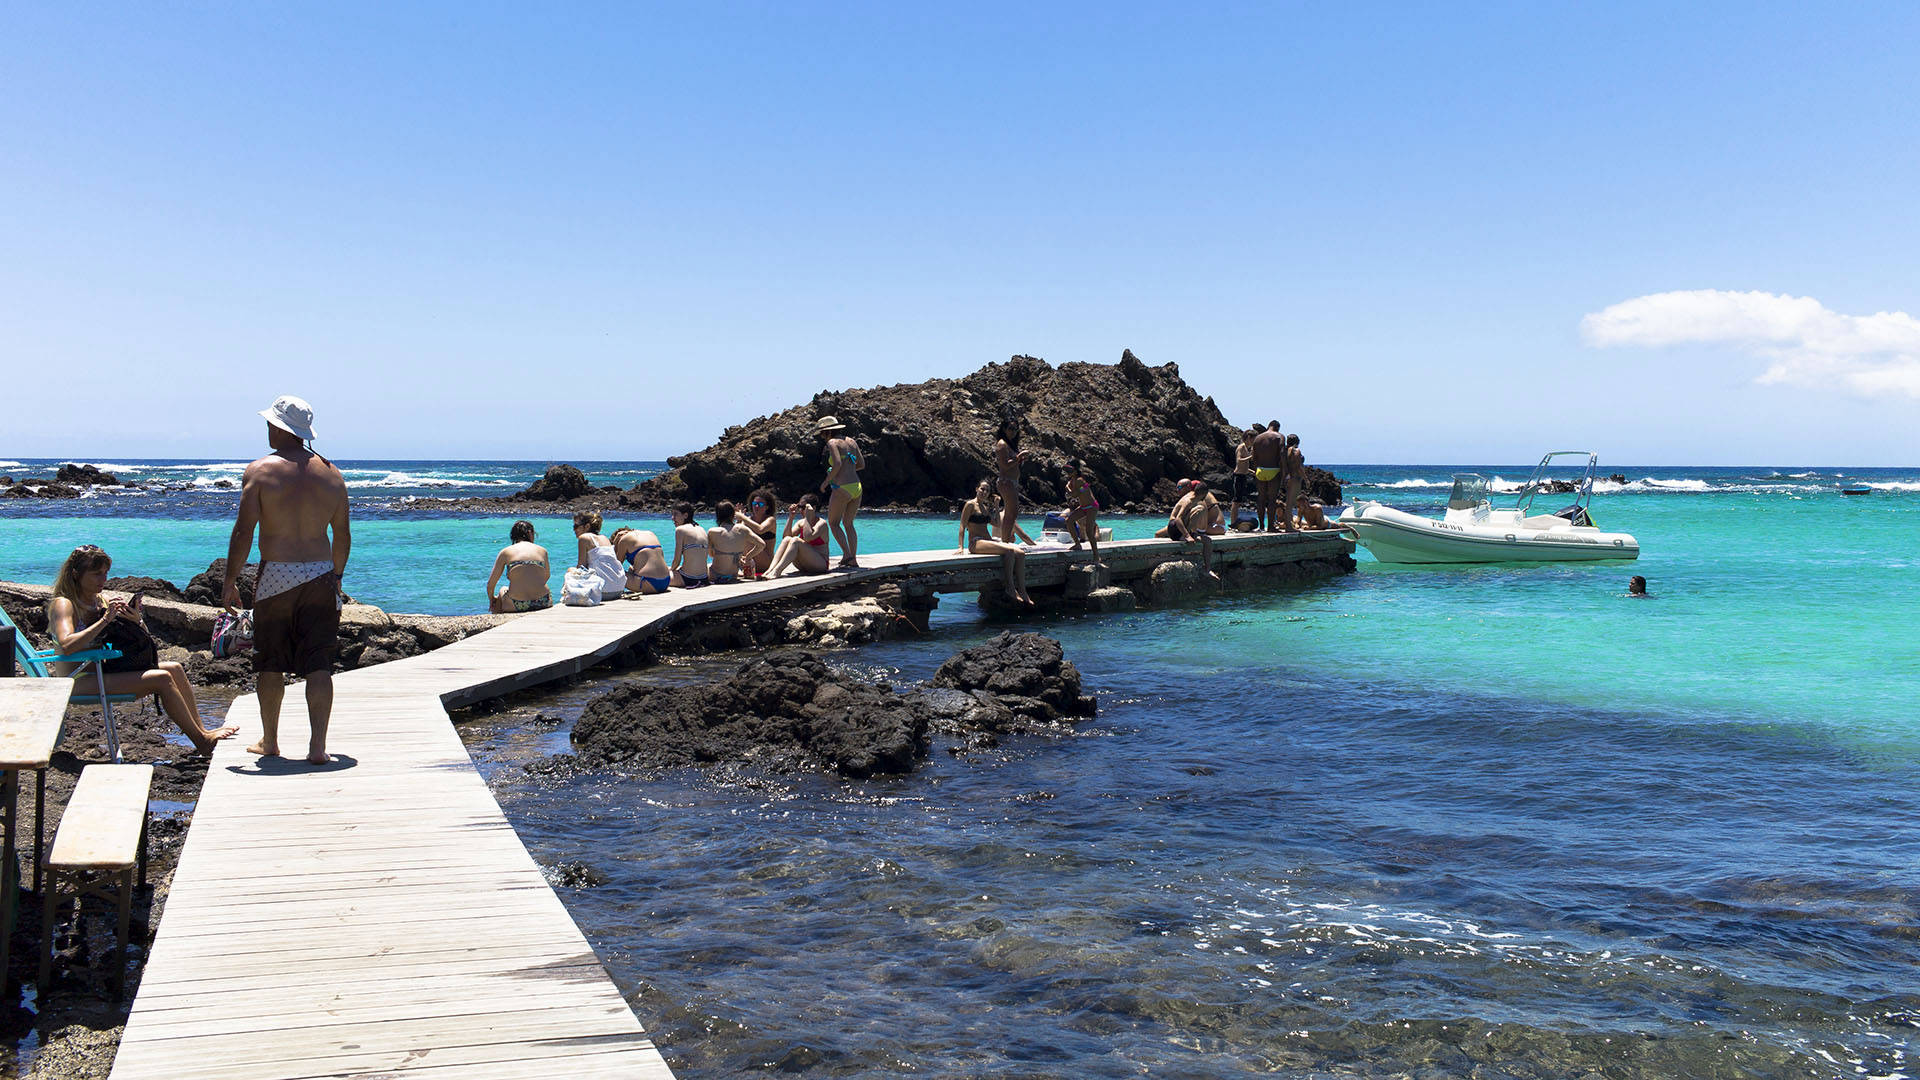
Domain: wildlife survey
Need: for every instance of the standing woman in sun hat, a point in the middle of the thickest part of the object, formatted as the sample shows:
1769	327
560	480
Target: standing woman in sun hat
844	488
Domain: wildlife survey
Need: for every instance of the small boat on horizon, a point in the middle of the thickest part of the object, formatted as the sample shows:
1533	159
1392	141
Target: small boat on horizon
1861	490
1474	531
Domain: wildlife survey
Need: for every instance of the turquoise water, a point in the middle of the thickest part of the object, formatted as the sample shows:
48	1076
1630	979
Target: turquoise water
1494	820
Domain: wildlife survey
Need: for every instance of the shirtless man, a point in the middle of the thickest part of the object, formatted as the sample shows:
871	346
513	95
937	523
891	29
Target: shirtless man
1269	461
293	496
1193	519
1296	475
843	489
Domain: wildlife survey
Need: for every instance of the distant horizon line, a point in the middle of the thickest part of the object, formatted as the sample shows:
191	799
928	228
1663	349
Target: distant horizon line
1603	467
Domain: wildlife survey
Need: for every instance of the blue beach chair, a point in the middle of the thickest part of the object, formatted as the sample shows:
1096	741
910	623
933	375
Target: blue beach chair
34	663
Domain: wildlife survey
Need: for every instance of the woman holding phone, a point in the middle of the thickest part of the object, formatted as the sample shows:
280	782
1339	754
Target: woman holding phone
79	618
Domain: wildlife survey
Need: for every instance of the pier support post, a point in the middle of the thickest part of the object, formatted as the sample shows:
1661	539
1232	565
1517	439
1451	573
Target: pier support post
917	602
1083	580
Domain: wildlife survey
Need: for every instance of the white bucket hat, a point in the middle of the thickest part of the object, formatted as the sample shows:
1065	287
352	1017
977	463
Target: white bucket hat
291	415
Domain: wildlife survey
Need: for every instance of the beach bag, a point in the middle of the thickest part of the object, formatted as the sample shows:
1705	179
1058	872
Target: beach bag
581	588
232	633
137	650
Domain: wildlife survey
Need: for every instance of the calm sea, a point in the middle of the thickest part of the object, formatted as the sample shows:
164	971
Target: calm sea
1495	821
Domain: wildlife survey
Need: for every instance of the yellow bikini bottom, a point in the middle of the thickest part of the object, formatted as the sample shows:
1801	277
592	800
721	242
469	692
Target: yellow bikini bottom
1266	475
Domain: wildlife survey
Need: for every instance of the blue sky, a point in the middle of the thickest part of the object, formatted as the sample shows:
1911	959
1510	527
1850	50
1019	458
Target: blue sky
574	232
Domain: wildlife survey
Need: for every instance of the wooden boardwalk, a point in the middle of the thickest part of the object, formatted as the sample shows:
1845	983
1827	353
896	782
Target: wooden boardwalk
379	916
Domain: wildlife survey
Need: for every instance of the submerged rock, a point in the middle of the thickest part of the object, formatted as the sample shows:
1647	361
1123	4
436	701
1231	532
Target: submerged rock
791	711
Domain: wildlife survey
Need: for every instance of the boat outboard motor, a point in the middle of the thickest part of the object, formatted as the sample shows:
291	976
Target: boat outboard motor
1576	514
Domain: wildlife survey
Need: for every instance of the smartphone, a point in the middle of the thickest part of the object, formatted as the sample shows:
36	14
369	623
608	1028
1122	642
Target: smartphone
134	603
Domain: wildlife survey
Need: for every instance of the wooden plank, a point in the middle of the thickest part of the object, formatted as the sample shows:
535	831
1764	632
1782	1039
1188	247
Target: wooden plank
100	829
31	712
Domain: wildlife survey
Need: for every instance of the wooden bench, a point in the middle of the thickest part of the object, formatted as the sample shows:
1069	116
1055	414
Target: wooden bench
104	833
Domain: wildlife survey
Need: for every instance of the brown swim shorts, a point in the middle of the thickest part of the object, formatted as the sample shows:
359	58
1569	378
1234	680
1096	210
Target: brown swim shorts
295	632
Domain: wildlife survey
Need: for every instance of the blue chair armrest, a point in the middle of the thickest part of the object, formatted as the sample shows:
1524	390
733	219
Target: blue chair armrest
86	657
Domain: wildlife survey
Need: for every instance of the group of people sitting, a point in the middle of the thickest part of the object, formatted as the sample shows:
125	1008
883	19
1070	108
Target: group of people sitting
737	547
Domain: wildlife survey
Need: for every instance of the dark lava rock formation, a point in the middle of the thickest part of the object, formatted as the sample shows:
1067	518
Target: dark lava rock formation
790	711
86	474
205	587
1135	430
562	483
40	489
147	586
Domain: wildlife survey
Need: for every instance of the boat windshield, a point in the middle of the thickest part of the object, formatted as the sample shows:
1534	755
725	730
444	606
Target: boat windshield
1469	491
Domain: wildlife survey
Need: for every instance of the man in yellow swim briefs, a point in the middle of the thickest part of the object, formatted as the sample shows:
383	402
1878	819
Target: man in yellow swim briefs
1269	463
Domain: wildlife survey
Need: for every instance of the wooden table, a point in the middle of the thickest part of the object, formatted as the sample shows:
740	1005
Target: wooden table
31	714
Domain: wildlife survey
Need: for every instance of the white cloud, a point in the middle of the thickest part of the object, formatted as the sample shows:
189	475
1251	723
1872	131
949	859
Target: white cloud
1805	343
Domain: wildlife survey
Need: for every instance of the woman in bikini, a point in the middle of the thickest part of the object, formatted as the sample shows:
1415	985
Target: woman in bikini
524	564
732	545
596	554
689	549
844	489
1007	457
639	551
1081	510
761	519
79	619
976	535
805	545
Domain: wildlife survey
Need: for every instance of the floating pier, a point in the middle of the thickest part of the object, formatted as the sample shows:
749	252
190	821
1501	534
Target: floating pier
379	917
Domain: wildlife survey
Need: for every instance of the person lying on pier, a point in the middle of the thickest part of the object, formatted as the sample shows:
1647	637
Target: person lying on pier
761	519
639	551
1310	514
596	554
1082	509
527	572
79	619
804	548
689	549
977	517
733	546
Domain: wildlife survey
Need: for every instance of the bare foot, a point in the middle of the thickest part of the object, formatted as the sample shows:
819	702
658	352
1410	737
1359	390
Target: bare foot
212	737
265	749
318	757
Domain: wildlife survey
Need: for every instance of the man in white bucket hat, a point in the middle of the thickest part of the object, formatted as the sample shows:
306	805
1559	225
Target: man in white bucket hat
295	497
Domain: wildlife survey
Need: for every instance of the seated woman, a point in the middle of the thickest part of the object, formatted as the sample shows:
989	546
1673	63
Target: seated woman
79	619
596	554
976	535
1082	511
761	519
639	551
525	565
732	546
689	549
805	546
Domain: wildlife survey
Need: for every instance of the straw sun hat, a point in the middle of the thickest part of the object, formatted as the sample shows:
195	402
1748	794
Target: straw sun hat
829	423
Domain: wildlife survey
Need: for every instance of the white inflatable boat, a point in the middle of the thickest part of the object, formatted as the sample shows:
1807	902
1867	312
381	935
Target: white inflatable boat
1474	531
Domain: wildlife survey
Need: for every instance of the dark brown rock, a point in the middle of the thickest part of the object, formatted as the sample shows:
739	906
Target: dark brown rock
147	586
86	474
1027	673
790	711
1133	429
40	489
560	484
205	587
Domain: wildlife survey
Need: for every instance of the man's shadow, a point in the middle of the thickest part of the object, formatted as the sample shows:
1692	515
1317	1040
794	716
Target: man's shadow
286	766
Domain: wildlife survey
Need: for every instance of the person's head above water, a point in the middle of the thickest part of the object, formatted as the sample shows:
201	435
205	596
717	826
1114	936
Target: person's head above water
1636	586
